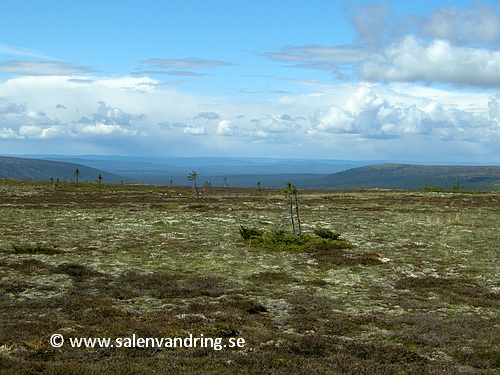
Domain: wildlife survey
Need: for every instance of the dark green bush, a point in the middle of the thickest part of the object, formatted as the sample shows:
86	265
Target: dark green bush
282	240
433	188
326	233
34	249
27	248
250	233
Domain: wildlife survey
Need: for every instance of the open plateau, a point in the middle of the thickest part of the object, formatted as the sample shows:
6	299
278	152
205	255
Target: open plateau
411	285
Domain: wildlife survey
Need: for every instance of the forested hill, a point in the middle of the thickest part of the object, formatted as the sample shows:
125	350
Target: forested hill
411	177
11	167
389	176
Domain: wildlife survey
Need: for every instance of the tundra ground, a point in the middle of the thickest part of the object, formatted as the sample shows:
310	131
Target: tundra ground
419	292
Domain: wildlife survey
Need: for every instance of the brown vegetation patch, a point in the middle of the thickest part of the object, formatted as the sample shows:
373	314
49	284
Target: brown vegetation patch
385	354
30	266
162	285
78	272
459	336
452	290
273	277
328	256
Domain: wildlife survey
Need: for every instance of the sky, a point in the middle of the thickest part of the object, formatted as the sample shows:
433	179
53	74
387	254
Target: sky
408	81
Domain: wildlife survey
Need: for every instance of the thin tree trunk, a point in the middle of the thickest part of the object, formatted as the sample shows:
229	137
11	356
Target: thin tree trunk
291	215
297	212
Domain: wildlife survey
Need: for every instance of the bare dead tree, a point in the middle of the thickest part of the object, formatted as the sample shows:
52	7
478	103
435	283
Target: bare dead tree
290	192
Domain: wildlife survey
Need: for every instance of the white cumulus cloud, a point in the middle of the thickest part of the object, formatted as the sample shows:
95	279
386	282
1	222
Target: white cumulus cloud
225	128
30	131
112	116
277	124
106	129
9	133
476	24
194	130
439	61
369	114
335	120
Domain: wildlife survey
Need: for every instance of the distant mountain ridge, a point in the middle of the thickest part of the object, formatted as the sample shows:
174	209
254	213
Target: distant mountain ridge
36	169
247	172
236	171
412	177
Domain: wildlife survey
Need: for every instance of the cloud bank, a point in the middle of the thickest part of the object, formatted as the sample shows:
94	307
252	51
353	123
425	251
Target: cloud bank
368	114
407	85
448	46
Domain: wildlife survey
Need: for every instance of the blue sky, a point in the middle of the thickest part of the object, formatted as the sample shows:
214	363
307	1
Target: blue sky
390	80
